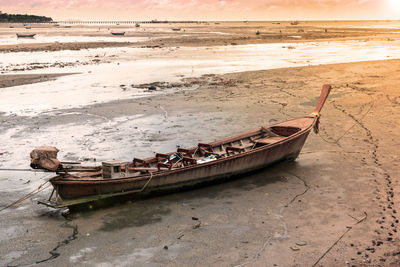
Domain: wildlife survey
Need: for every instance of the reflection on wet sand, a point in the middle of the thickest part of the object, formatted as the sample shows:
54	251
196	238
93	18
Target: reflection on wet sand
113	74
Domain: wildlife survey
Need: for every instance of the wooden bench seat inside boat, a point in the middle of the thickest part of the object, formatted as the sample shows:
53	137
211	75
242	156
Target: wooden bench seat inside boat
203	148
187	152
161	156
284	130
188	161
270	140
146	163
231	150
146	170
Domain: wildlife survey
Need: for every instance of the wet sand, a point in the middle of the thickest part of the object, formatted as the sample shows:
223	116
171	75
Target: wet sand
59	46
336	205
11	80
344	182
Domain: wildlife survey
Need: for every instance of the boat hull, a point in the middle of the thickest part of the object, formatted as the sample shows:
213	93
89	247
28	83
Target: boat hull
199	165
189	177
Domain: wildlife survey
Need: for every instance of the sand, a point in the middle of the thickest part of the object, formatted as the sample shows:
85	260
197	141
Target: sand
336	205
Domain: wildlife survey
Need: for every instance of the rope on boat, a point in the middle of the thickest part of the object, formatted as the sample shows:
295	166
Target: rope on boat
31	194
24	170
146	184
316	124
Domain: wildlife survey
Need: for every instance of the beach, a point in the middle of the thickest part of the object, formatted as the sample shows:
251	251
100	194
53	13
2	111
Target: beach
336	205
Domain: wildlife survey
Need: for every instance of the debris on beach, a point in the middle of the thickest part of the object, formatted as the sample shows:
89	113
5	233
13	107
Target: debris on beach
301	243
289	47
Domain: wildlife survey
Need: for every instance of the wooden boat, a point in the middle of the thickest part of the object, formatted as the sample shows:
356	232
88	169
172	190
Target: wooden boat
186	167
118	33
26	35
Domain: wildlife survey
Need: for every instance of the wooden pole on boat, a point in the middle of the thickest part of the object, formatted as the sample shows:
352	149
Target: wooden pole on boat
326	89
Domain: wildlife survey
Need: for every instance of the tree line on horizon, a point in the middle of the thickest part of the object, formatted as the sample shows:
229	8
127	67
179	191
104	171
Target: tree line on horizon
4	17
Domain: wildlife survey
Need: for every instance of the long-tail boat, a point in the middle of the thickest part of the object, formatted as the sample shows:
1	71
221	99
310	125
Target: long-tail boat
186	167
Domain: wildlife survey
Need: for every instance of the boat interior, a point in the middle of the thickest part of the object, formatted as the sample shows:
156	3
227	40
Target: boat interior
184	157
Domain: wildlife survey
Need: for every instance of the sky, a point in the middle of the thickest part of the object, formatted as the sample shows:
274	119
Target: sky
264	10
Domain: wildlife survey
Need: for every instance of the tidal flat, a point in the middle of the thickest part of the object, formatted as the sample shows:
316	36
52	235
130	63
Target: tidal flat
86	92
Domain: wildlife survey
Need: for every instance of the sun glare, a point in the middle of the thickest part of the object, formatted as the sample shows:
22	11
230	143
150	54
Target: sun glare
394	4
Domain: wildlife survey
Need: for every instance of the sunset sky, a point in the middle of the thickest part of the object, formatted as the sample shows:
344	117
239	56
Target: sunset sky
207	9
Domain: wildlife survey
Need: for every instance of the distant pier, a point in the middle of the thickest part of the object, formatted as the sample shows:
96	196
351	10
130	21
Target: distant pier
109	22
120	22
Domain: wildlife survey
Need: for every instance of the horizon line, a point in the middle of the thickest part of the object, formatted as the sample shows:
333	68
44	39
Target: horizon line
282	20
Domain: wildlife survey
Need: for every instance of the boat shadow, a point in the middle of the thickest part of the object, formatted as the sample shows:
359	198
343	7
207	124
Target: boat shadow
126	213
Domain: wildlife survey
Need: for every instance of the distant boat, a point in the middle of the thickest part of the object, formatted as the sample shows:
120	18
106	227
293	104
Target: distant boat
118	33
176	29
26	35
294	23
137	25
